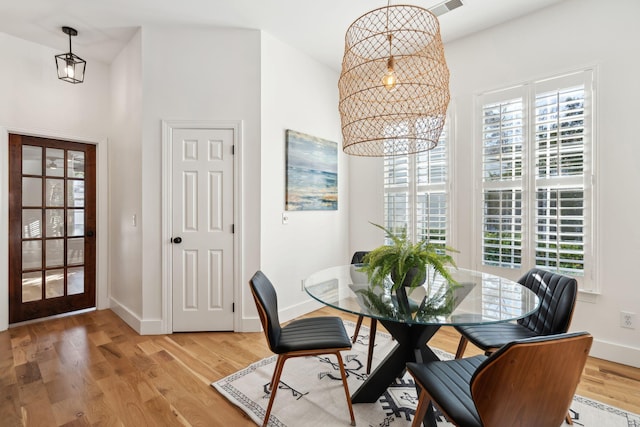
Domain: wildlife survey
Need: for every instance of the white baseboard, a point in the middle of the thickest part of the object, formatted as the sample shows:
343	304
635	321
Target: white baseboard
252	324
299	310
151	327
129	317
141	326
154	326
615	353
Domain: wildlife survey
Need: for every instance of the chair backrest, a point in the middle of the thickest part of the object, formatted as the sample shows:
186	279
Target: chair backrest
530	382
264	294
557	295
358	256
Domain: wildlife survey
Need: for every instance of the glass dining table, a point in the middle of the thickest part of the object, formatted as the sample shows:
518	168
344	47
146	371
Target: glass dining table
477	298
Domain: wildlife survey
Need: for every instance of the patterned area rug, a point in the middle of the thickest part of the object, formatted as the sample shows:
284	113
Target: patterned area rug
311	394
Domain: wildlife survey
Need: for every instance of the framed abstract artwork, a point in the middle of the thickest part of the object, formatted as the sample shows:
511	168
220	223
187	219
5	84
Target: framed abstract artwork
312	173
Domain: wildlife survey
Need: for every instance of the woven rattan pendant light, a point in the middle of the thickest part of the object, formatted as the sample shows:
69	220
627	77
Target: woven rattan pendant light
394	85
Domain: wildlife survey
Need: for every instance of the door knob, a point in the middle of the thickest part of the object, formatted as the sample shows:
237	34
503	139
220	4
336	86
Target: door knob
89	233
176	240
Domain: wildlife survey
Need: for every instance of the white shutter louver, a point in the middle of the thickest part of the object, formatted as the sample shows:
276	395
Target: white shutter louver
502	131
560	230
396	196
502	228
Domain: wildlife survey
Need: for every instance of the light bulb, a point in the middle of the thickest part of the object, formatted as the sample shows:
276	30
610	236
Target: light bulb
389	80
70	69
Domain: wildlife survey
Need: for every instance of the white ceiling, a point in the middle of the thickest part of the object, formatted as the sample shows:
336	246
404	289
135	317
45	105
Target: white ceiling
314	26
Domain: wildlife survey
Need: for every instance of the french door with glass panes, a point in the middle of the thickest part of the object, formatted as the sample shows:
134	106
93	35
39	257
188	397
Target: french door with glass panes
52	218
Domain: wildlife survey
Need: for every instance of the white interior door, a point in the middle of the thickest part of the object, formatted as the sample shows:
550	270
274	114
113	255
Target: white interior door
202	229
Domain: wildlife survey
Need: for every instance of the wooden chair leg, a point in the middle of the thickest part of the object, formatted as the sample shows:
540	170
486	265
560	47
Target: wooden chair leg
462	346
358	324
421	409
346	387
568	419
274	387
372	343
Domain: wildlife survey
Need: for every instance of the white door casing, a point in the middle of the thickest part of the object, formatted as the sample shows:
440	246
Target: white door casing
202	217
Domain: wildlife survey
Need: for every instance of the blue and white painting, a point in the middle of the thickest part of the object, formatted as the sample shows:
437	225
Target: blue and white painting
312	173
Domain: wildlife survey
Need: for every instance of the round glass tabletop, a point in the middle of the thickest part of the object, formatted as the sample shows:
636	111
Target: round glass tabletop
476	298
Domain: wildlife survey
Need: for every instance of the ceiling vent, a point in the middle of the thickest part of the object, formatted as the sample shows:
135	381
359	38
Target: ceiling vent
446	6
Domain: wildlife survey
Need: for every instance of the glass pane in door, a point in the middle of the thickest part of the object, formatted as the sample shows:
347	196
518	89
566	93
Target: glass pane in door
75	193
75	222
54	253
75	280
55	222
31	254
75	164
32	286
54	284
31	191
31	160
31	223
75	251
54	195
55	162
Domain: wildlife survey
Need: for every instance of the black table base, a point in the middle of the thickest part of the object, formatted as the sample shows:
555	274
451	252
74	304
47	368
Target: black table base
411	346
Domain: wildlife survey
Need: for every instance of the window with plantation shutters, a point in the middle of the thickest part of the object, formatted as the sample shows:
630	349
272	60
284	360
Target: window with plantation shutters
502	153
560	179
536	190
415	193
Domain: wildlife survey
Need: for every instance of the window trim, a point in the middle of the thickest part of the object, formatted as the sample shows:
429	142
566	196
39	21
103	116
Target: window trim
588	283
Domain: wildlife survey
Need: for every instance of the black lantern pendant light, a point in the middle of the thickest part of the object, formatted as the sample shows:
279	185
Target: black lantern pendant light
70	66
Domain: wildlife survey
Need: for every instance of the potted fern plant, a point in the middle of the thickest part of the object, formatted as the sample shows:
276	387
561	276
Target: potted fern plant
406	263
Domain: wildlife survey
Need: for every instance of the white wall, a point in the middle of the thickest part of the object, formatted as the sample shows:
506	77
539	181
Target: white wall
217	77
564	37
301	94
366	199
35	102
34	98
125	201
222	75
196	74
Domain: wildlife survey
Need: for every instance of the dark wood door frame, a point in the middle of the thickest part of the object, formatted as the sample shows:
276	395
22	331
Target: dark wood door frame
23	311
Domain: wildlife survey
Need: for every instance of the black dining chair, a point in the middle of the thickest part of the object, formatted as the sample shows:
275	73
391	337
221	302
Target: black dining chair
526	383
557	295
357	259
303	337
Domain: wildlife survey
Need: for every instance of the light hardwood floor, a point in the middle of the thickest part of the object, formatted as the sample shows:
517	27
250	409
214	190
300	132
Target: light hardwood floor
93	369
